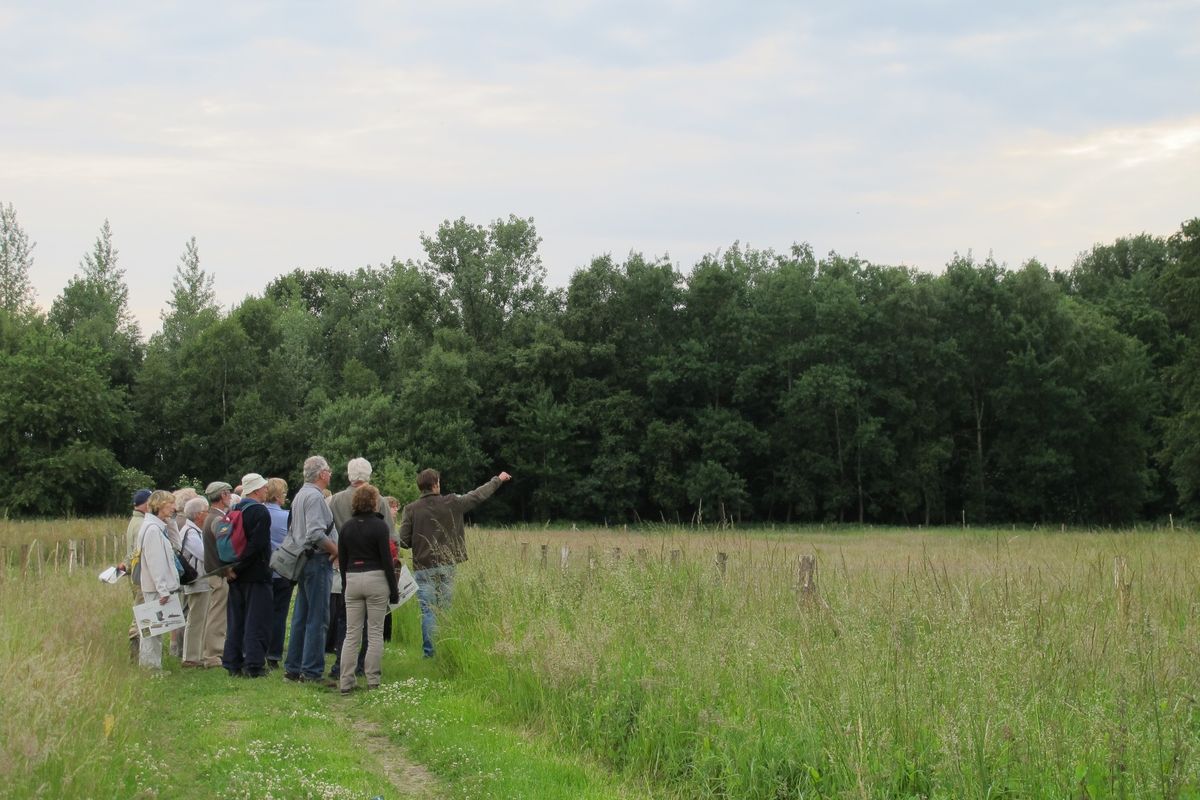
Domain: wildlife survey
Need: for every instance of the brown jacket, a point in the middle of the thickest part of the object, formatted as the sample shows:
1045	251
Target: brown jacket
432	526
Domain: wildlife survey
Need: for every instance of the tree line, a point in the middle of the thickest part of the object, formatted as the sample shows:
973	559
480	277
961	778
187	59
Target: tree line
760	386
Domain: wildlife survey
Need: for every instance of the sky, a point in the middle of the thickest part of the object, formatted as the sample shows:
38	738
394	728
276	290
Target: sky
296	134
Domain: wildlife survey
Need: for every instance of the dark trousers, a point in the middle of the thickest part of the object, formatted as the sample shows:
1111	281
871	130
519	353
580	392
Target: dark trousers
281	594
248	627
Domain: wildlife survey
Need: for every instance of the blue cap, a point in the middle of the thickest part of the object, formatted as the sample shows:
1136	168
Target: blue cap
141	496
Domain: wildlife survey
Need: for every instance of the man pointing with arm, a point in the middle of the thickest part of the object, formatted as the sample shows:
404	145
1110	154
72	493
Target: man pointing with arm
432	527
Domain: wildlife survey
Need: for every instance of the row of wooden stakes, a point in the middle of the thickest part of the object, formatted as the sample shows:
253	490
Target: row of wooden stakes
806	568
37	556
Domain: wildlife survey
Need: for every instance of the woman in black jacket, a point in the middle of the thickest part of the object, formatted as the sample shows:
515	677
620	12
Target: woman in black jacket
368	584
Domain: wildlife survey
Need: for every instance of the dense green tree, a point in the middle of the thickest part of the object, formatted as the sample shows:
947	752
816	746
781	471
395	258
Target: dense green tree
59	421
758	386
488	273
1181	439
93	308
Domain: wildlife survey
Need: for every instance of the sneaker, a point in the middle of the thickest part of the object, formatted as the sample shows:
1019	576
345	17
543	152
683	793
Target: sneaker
347	691
192	664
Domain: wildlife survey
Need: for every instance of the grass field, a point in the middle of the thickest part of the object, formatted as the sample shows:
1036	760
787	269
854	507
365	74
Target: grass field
950	663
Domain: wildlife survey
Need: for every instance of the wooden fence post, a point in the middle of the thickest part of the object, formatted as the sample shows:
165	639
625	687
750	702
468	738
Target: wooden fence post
616	554
71	555
1124	583
675	554
722	559
524	552
806	578
545	549
591	559
564	554
642	555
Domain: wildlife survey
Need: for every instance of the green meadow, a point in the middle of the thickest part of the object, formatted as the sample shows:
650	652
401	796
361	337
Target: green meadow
663	663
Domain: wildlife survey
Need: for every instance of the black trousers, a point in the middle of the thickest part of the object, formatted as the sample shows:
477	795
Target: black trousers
248	627
281	596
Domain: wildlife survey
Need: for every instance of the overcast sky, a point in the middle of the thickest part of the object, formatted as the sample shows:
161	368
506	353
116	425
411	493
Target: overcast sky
302	134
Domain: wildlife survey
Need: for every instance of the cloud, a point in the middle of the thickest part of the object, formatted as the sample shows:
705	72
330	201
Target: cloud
284	139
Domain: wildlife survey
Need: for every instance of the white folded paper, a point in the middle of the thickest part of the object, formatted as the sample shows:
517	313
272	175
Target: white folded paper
111	575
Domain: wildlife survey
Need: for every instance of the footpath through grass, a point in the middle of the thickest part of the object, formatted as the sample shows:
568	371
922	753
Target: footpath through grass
78	721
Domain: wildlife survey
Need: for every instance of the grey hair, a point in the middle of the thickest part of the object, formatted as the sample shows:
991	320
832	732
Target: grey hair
314	466
195	507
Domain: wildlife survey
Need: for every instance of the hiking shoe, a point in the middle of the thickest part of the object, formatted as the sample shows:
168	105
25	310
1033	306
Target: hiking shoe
295	677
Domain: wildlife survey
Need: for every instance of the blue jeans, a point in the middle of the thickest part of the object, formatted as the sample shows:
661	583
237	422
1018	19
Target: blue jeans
310	619
435	587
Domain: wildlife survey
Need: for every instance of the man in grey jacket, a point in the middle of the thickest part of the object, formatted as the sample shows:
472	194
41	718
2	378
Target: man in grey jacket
432	527
311	525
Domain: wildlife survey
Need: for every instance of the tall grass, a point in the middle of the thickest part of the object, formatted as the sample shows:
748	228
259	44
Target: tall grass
977	664
65	686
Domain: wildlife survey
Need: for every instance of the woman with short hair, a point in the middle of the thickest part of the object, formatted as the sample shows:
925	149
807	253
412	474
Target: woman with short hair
195	511
369	584
159	570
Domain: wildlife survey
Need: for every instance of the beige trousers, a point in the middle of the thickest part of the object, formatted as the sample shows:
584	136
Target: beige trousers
193	632
366	596
214	621
134	636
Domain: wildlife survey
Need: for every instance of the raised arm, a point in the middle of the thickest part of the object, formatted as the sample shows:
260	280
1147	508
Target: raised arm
473	498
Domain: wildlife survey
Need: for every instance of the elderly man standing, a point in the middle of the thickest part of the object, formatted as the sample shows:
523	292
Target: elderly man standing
250	600
358	470
195	511
311	525
432	528
219	495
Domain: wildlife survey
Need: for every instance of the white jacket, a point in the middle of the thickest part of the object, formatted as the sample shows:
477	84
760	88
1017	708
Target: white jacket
159	573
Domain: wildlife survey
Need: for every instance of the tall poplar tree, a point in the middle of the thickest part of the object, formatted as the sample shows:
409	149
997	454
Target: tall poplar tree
16	259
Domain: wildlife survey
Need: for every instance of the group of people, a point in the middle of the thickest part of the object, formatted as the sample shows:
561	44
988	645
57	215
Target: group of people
236	612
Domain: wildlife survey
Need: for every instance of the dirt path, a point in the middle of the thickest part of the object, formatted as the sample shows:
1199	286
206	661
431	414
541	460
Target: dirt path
410	780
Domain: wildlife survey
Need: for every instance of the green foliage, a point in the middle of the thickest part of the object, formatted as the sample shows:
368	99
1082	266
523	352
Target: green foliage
1181	438
758	386
396	477
59	423
127	481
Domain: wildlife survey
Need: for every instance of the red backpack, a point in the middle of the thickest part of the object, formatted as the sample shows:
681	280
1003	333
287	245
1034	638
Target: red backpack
231	537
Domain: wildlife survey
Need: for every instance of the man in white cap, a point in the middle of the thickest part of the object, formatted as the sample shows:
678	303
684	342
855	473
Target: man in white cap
250	599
